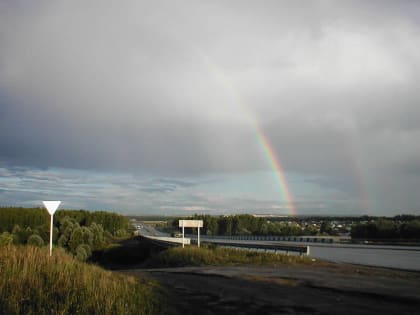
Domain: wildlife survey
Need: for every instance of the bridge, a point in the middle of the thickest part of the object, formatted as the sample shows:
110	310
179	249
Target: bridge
259	244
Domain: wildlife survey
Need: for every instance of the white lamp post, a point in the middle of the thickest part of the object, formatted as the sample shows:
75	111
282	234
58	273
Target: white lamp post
51	207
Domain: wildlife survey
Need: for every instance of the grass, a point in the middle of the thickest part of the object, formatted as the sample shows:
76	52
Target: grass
32	282
217	256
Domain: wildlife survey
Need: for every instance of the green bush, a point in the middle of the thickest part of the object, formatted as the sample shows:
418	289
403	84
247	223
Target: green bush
99	239
35	240
80	235
6	239
81	253
121	233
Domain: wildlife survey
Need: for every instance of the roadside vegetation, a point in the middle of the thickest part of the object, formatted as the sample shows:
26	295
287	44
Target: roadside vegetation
220	256
32	282
80	232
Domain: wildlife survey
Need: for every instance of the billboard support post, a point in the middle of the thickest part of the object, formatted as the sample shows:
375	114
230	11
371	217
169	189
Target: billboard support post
183	234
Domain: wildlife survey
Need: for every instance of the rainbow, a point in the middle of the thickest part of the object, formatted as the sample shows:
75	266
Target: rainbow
276	166
263	140
359	176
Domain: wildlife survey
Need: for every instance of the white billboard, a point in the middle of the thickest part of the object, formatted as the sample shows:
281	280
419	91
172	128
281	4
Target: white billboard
191	223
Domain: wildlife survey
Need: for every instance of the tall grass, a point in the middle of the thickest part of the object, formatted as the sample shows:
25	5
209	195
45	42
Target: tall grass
32	282
193	256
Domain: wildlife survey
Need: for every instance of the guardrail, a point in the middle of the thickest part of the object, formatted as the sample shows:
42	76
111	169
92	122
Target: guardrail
274	238
300	249
167	241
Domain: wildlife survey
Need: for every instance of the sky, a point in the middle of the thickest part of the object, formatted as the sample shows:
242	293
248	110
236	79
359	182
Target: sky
183	107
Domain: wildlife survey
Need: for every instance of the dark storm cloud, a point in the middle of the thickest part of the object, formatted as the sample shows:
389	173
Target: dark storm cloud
169	88
127	97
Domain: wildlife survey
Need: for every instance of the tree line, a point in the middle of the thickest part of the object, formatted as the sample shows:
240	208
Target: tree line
388	229
78	231
362	227
246	224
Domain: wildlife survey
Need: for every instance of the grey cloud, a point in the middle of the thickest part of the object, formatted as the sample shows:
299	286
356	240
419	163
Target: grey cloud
117	191
172	89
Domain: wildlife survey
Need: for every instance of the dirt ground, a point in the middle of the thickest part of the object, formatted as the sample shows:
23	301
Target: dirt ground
335	289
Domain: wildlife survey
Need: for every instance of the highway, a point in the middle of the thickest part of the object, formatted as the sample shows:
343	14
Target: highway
157	236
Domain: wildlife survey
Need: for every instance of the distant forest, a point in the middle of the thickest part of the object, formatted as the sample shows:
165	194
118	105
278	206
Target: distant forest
78	231
408	228
363	227
246	224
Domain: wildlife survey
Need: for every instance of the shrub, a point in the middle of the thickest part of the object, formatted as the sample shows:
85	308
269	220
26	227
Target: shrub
121	233
81	253
63	241
99	240
6	239
80	235
35	240
20	235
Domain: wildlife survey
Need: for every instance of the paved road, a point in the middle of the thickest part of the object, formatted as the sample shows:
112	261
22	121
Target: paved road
147	230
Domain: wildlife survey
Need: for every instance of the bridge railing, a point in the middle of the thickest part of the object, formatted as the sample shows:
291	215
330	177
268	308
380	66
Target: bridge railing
276	238
167	241
299	249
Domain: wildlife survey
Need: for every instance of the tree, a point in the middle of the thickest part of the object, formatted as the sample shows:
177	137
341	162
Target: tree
98	236
386	229
225	225
80	235
325	228
67	226
210	225
24	217
410	230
